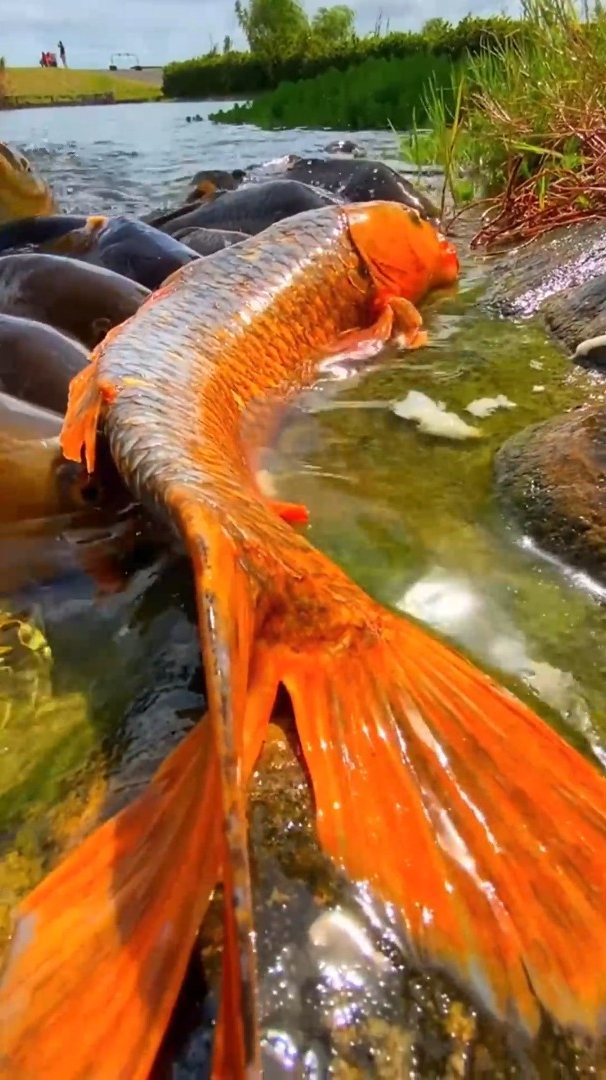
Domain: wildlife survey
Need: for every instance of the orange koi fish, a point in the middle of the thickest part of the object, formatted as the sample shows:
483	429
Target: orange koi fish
459	806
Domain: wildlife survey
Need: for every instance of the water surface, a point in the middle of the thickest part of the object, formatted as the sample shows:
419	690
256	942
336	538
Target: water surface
411	516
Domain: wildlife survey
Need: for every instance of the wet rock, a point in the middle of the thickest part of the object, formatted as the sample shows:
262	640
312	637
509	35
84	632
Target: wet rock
577	314
523	280
552	479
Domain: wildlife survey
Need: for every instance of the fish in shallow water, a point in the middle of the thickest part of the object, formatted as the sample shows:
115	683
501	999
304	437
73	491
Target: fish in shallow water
207	241
26	234
35	479
249	209
125	245
459	806
357	181
37	362
82	300
22	192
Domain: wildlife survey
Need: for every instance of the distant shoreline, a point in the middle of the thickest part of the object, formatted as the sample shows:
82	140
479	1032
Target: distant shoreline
16	106
47	88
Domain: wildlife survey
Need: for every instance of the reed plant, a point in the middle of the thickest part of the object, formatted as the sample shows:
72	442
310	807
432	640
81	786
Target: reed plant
530	131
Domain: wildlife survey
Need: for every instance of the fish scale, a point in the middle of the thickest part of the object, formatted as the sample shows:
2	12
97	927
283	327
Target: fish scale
203	357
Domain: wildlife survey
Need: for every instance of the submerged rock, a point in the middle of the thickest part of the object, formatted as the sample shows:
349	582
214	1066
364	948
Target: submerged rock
552	479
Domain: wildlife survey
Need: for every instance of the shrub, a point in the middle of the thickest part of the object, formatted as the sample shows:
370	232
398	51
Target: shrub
375	94
241	74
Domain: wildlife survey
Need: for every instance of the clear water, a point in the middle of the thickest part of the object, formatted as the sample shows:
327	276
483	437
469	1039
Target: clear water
410	515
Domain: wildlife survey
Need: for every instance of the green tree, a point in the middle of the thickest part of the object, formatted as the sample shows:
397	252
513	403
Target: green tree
227	44
272	27
335	25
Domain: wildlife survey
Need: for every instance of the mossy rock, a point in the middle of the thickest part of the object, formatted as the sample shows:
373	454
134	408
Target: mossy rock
552	479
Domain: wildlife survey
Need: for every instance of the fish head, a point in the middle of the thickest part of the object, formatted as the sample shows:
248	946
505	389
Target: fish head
22	192
404	254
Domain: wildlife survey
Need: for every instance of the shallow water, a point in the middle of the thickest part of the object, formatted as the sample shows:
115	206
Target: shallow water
411	516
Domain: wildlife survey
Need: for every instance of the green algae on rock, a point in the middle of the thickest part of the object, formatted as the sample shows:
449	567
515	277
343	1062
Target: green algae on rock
552	478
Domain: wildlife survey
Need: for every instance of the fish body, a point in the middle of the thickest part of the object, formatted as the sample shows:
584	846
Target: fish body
121	244
207	241
358	180
249	209
35	479
493	856
28	233
81	300
37	362
22	192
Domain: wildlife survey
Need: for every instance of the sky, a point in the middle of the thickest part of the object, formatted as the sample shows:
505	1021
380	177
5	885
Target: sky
158	31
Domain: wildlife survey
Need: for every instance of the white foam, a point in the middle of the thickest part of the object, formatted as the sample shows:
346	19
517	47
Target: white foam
485	406
432	417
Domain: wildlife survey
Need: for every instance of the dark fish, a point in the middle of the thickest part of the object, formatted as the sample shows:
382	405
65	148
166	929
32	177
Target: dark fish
252	208
82	300
23	422
127	246
26	233
37	362
357	181
207	241
208	180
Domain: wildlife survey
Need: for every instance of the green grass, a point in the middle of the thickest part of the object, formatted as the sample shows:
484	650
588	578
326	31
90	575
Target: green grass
371	95
530	129
42	86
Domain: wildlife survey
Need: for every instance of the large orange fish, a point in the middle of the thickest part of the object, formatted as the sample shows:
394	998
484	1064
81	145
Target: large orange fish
458	805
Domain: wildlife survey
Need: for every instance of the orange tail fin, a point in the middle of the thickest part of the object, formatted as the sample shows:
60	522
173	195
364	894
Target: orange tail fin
101	946
240	707
459	806
464	810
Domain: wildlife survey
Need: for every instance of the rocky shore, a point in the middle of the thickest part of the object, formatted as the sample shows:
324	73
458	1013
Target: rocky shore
551	478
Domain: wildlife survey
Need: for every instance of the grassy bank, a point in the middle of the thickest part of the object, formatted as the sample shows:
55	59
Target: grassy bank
530	137
20	87
373	94
239	74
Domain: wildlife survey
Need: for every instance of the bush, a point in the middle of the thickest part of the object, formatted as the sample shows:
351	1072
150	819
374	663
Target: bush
240	74
370	95
530	132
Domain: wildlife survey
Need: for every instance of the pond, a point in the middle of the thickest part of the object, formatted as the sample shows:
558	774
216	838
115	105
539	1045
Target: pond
110	679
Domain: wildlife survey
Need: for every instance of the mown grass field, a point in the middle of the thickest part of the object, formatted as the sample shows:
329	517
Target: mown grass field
43	86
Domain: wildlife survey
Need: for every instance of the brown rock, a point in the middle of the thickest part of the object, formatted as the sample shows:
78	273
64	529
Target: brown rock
552	479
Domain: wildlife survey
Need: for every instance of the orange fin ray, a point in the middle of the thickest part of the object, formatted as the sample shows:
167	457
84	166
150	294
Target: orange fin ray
79	432
483	828
293	513
101	945
239	712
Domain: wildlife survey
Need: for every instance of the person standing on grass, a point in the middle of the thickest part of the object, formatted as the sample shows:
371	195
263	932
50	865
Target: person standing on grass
61	48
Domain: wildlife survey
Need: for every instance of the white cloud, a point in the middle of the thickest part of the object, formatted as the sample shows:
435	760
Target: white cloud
157	31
